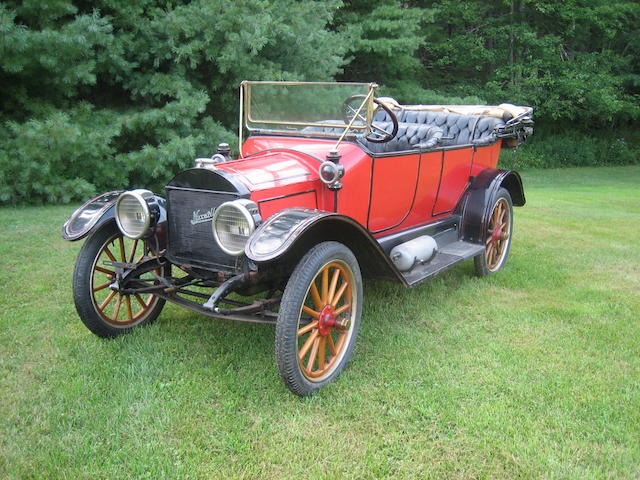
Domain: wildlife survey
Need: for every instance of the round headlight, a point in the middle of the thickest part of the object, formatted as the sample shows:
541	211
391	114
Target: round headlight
132	213
232	225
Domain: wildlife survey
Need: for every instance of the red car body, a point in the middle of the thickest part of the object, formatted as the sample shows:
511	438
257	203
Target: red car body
385	194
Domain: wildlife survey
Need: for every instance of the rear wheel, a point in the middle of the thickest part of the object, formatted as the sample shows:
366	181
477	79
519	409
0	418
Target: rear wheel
104	311
497	236
319	318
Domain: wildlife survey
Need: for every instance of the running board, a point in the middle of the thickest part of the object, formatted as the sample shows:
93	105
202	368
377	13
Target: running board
447	256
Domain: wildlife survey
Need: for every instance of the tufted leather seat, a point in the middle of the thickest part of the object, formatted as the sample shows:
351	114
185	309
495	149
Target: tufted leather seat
422	129
409	137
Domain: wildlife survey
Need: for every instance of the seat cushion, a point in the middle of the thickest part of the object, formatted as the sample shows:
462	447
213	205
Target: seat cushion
424	129
410	136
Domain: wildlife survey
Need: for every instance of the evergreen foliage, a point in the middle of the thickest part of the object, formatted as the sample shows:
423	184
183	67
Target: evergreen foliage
113	94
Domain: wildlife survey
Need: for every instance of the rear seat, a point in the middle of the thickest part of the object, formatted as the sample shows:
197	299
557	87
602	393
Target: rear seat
421	129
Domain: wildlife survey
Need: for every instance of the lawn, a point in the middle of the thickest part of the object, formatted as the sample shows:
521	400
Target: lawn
532	373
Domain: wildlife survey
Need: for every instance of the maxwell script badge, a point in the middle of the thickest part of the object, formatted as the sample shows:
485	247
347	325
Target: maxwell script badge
202	217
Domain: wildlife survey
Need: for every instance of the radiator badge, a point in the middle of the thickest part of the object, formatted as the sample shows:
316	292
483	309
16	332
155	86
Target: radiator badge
202	217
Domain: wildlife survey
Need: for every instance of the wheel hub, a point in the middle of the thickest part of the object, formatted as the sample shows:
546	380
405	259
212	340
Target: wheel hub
496	234
327	321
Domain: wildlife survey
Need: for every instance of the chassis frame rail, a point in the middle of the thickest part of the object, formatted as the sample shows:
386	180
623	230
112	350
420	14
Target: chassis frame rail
170	289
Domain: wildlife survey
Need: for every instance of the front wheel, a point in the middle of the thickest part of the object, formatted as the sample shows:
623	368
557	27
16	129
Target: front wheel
497	236
104	311
319	318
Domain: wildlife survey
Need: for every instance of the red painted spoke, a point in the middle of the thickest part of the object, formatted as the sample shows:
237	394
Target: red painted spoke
338	295
106	301
307	328
305	348
311	312
101	287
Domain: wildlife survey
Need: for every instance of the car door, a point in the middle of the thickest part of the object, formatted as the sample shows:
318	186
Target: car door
456	167
394	179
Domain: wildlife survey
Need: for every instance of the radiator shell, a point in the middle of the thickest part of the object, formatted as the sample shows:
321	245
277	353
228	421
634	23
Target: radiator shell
190	235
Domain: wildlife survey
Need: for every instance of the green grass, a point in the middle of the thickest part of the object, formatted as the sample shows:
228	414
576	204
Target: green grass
532	373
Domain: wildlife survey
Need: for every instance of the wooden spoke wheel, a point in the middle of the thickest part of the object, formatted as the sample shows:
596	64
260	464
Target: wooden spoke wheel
103	310
497	236
319	318
325	320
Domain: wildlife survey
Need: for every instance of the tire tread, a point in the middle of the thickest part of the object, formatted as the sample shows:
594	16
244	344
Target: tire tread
294	295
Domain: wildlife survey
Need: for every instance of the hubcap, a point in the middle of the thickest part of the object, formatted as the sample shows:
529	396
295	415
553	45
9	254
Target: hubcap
326	321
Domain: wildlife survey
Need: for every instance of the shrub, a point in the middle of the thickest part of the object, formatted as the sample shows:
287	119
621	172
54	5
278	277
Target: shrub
574	148
69	156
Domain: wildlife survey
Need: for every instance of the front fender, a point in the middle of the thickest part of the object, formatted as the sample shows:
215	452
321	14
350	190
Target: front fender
286	236
93	213
477	204
100	210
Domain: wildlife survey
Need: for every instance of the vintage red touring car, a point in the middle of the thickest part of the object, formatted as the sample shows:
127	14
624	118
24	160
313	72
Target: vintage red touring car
331	185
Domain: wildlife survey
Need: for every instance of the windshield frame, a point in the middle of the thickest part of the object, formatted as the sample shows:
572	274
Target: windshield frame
246	120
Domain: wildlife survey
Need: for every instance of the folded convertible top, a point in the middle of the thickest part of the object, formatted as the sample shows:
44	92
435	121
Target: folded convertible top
506	111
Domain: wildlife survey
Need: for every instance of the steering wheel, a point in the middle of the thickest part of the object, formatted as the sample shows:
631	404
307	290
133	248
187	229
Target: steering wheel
377	134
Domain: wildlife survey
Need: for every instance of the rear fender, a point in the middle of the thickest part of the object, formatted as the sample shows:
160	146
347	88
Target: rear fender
285	237
100	210
477	203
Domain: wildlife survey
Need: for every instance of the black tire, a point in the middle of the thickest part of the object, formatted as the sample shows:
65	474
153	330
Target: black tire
295	316
105	322
498	244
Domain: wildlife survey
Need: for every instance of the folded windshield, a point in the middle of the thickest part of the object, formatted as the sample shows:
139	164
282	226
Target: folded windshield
323	109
